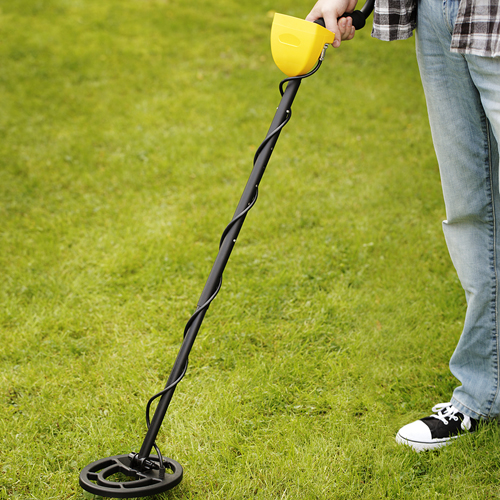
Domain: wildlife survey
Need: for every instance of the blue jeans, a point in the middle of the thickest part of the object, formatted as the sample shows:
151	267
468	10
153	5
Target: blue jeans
463	101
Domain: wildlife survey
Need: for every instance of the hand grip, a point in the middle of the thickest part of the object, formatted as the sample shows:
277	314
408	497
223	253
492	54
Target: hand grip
358	16
358	19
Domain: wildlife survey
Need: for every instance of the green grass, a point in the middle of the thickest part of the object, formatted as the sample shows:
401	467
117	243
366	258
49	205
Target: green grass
127	131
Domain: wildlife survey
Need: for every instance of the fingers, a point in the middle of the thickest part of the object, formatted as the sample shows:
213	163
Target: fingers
329	17
343	28
347	30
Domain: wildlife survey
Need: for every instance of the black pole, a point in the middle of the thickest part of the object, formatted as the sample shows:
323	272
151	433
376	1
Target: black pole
281	116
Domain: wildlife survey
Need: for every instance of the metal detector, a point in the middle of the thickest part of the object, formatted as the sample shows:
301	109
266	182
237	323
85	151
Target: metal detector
298	48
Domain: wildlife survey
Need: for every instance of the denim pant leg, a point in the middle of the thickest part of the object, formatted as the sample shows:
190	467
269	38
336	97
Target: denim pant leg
463	101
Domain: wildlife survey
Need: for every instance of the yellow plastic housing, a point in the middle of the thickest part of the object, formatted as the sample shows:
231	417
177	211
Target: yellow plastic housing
296	44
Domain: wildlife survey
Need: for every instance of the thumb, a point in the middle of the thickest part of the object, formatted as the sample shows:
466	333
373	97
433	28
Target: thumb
330	23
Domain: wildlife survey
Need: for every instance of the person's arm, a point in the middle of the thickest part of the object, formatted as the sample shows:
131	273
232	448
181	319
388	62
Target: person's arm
330	10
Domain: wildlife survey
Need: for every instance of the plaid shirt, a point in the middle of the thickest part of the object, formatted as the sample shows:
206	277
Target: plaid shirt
476	31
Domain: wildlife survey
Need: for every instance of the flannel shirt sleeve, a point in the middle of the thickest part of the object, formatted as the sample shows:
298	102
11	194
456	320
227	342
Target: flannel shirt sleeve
394	19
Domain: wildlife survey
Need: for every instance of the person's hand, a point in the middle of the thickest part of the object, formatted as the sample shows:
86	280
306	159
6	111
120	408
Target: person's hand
330	10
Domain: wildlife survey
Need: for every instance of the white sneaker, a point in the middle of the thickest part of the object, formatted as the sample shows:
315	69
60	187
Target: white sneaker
437	430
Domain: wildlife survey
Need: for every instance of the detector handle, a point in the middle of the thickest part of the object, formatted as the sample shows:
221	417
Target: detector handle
359	17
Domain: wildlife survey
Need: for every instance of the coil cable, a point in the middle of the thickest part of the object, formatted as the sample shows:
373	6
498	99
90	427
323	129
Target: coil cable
237	217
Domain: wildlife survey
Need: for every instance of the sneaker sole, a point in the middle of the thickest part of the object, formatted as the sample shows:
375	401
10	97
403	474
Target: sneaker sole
424	445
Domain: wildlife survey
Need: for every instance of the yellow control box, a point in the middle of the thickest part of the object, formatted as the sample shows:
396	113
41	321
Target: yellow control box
296	44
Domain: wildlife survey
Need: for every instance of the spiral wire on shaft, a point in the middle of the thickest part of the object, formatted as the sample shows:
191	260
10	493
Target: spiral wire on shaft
203	307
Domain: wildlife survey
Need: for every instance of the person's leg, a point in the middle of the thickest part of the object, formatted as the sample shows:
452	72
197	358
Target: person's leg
476	359
460	99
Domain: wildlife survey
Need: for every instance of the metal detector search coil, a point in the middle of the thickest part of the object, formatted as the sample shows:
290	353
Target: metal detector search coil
296	44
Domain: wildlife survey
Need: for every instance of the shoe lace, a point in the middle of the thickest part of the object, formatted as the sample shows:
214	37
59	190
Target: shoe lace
446	412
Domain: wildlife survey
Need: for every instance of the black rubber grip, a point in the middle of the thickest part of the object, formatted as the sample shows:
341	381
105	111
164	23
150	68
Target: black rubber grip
358	19
321	22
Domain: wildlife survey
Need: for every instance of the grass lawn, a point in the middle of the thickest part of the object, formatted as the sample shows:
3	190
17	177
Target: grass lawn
127	132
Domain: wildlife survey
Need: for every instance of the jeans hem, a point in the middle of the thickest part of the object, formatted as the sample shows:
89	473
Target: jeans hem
469	412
